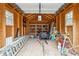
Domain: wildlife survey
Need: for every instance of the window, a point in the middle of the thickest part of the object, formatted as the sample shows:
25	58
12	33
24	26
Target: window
39	18
9	27
9	18
69	18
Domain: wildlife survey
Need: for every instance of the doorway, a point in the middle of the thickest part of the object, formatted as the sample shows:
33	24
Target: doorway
69	30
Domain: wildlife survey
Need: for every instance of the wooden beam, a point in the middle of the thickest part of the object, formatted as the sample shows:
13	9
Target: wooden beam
52	16
28	15
31	17
15	7
48	17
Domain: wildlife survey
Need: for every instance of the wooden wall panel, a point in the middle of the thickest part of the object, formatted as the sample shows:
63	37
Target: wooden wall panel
15	22
2	25
33	19
27	26
75	27
8	31
70	29
21	24
57	22
18	23
62	22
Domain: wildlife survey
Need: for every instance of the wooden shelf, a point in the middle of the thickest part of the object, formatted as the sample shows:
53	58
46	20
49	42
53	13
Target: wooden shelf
35	29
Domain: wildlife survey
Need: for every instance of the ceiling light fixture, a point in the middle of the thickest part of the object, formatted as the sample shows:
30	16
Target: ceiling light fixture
39	16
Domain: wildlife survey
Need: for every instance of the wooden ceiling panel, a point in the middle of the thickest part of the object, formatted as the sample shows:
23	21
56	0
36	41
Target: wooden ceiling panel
46	18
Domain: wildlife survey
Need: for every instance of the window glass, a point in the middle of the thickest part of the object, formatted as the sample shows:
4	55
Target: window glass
69	18
9	18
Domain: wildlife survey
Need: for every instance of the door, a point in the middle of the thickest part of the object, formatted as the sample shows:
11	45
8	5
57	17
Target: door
69	29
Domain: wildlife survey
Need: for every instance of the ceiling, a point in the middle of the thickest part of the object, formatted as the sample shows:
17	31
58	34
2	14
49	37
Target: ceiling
45	7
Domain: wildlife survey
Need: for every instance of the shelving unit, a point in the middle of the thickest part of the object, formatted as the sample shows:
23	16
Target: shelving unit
35	29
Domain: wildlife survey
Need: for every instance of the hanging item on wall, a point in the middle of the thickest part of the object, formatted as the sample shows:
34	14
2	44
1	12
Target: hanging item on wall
9	17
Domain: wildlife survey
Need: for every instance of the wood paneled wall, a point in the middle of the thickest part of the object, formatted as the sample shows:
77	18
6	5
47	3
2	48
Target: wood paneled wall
60	17
10	31
18	23
60	21
33	19
2	27
76	26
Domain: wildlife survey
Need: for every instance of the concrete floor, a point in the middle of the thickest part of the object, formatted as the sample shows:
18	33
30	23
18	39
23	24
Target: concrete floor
34	48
